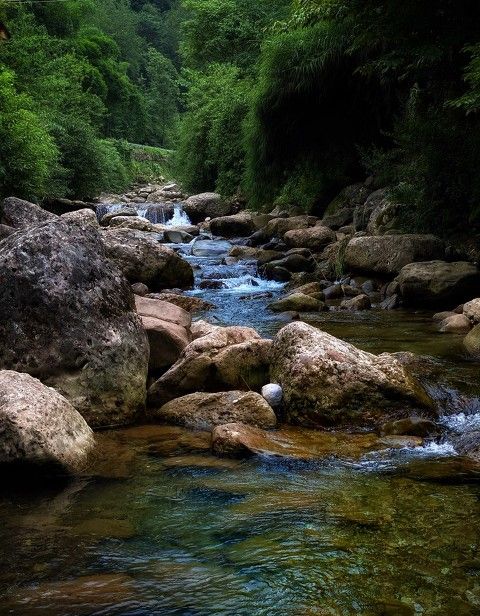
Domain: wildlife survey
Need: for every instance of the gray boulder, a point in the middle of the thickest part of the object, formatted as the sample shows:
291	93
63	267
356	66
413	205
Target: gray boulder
199	207
19	213
67	316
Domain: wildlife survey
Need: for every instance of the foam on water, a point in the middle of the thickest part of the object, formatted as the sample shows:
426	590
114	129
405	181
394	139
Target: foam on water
180	218
462	422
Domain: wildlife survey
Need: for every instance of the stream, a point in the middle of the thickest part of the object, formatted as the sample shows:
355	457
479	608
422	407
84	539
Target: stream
164	528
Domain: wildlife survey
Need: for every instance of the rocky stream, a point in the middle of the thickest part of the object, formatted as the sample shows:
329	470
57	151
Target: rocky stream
310	440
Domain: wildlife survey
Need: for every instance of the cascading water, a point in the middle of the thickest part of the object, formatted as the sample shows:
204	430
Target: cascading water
157	213
180	218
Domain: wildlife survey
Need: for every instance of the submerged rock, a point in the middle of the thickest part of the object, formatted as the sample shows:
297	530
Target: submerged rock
203	411
40	427
329	382
67	317
237	440
143	259
438	283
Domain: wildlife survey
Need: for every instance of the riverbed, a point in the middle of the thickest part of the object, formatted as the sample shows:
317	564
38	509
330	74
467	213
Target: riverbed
164	528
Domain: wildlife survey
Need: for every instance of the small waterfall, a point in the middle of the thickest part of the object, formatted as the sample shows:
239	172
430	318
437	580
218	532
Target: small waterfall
156	213
180	218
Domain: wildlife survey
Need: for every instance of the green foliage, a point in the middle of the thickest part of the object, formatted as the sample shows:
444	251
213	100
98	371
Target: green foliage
77	74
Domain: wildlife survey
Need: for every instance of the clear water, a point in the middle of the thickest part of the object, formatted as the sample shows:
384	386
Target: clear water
160	527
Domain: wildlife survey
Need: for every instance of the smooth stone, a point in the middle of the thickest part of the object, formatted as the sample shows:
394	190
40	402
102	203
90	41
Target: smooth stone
455	324
273	394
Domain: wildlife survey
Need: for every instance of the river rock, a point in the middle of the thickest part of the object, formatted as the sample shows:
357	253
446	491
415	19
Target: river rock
84	216
199	207
210	248
142	259
237	225
168	330
121	211
471	342
177	236
327	381
455	324
140	289
292	263
412	426
18	213
340	211
438	284
137	223
279	226
222	359
297	302
313	238
67	317
387	254
273	394
472	310
5	231
40	427
203	411
360	302
385	214
187	302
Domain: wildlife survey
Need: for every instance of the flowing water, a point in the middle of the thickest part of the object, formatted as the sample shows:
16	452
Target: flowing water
163	528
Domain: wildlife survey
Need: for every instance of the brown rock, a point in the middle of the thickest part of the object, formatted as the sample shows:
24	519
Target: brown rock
360	302
455	324
313	238
187	302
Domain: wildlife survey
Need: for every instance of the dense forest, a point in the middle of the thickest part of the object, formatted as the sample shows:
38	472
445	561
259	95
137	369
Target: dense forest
275	101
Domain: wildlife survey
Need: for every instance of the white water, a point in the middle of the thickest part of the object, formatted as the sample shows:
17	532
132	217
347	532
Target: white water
180	218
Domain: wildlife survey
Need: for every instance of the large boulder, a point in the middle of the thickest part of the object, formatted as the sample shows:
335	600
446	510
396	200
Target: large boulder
19	213
328	382
203	411
384	217
40	427
313	238
471	342
142	258
387	254
168	330
67	317
363	211
84	216
238	225
279	226
438	284
137	223
224	358
199	207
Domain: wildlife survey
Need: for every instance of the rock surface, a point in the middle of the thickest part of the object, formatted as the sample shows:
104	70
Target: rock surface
297	302
40	427
143	259
238	225
472	310
455	324
387	254
187	302
329	382
471	342
313	238
67	317
225	358
202	411
199	207
273	394
438	284
19	214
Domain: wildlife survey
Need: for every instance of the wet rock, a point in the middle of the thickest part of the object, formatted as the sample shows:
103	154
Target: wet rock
177	236
298	302
237	440
212	284
360	302
210	248
67	317
85	216
187	302
279	226
329	382
472	310
387	254
438	317
292	263
204	205
123	211
437	283
273	394
206	410
237	225
455	324
142	259
137	223
219	358
275	272
313	238
20	214
412	426
471	342
40	427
